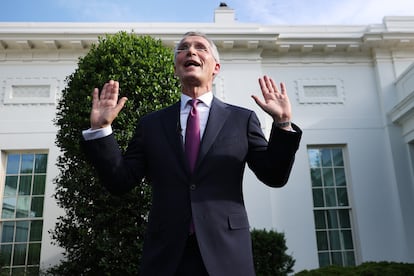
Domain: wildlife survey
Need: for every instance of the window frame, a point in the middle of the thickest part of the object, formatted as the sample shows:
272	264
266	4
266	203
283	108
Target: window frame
324	208
29	219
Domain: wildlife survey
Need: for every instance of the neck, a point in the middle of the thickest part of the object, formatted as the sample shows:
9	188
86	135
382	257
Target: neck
195	92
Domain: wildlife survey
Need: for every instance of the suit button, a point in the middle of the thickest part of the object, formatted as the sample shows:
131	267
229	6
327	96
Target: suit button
192	187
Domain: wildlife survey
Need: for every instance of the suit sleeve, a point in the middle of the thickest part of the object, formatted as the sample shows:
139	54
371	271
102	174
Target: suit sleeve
118	172
272	161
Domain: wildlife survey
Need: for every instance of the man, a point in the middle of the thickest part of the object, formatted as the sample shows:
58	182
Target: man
198	223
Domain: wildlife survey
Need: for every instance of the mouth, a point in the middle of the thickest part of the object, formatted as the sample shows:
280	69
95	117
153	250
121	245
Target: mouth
190	63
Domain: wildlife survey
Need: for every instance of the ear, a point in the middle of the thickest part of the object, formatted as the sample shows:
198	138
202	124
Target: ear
216	69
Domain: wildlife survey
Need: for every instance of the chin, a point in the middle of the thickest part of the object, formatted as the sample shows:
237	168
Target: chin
191	79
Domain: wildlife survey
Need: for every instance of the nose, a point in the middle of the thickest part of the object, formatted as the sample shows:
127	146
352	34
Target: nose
191	50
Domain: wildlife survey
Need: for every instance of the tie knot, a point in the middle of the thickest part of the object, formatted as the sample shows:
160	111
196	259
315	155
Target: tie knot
193	102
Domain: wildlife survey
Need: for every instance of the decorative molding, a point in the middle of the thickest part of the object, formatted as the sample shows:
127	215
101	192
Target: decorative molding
29	91
218	87
394	32
320	91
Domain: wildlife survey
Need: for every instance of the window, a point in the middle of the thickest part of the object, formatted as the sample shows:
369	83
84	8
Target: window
21	222
332	211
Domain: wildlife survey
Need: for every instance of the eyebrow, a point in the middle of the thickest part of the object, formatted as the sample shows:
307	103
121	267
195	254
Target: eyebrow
198	43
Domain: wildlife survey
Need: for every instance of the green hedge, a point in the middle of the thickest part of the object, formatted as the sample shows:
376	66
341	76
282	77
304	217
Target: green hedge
365	269
269	253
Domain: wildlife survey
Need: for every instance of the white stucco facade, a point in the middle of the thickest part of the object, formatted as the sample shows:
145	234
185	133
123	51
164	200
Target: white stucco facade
350	86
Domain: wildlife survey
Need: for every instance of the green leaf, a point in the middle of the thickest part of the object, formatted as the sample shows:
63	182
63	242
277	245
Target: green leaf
103	234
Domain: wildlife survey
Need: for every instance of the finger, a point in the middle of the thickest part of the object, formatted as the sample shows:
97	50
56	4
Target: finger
114	91
263	86
274	86
121	104
268	83
258	101
95	97
104	92
283	88
110	90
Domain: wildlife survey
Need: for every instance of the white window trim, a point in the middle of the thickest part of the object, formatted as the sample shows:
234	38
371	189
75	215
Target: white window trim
304	99
52	83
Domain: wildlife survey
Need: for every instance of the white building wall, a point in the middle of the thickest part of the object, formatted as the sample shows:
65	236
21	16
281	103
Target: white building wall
367	118
26	124
357	124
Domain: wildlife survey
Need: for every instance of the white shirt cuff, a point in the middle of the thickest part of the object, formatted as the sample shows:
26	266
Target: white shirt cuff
92	134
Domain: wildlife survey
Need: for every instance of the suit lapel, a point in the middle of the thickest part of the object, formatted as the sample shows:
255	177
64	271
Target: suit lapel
171	123
172	128
217	117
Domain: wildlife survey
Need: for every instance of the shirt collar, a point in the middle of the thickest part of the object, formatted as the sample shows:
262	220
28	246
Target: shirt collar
206	98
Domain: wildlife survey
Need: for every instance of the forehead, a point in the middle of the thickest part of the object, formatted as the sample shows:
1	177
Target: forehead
194	39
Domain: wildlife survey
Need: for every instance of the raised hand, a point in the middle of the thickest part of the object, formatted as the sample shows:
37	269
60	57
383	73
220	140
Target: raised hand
105	106
276	103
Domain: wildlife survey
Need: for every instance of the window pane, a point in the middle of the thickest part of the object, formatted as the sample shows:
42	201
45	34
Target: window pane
330	197
27	163
22	197
9	205
347	239
10	185
332	219
41	163
39	184
340	177
13	161
7	232
322	240
33	271
36	230
324	259
342	197
18	271
344	218
334	241
328	179
337	157
337	258
316	177
329	190
23	207
317	197
19	256
326	158
22	231
37	207
314	158
349	258
6	252
34	254
320	222
25	184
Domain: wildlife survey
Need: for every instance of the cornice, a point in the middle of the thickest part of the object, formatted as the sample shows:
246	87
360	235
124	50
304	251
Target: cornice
394	32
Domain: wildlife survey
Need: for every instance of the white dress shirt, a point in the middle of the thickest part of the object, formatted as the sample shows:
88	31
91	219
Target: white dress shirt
203	108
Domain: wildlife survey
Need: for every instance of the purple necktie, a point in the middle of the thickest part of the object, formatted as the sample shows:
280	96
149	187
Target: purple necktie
192	134
192	141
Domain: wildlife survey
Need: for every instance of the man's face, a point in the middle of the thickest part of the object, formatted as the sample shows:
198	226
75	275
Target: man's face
194	63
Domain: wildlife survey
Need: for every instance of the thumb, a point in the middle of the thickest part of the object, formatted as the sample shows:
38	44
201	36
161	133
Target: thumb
258	101
121	103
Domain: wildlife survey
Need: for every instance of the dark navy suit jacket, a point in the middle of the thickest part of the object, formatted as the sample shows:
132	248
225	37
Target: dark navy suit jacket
211	195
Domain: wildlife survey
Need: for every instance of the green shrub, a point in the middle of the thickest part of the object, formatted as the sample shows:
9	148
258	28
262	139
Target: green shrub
365	269
103	234
269	253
